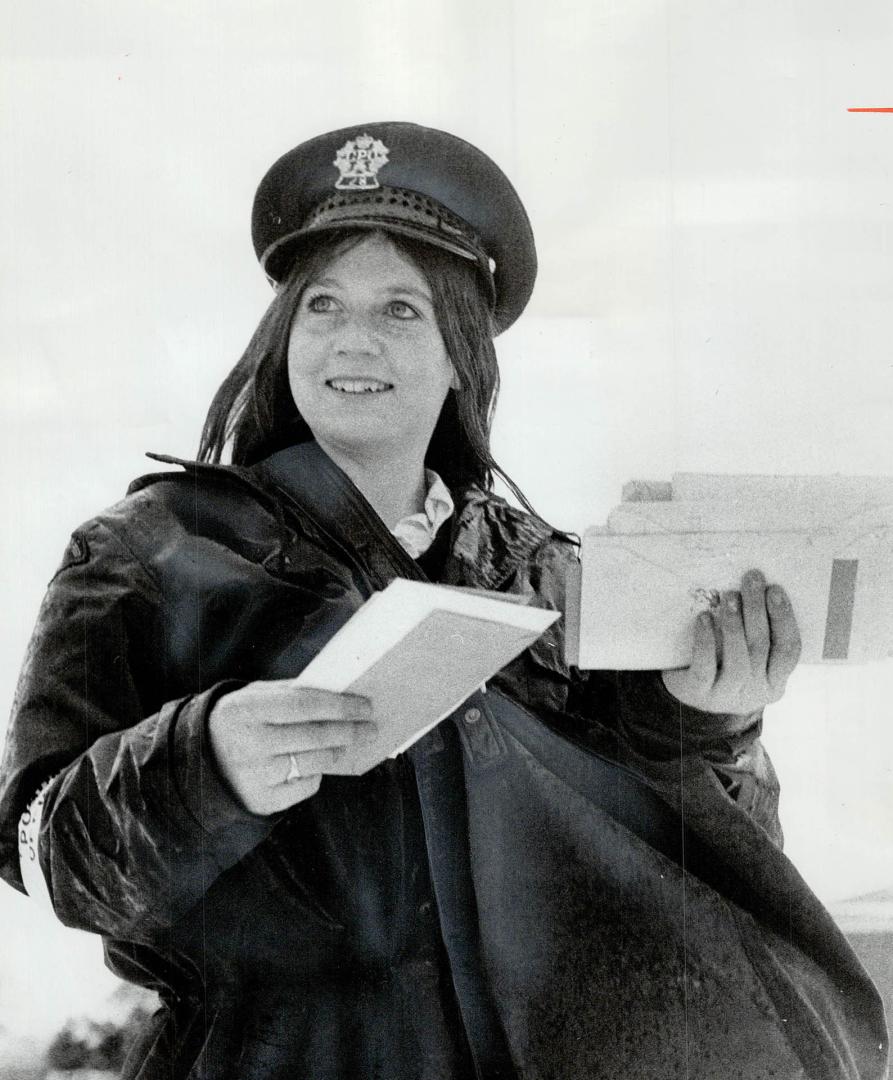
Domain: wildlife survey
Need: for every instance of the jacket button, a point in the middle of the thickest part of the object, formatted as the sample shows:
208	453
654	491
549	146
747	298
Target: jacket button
472	716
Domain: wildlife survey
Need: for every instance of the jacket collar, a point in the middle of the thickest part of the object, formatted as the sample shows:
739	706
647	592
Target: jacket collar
491	539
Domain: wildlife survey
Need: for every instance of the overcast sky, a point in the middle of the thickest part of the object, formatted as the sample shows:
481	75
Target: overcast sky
716	268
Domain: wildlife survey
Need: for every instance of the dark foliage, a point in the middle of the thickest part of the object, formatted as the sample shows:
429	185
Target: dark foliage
94	1045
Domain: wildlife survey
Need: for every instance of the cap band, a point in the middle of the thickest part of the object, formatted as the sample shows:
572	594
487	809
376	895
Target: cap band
400	206
396	210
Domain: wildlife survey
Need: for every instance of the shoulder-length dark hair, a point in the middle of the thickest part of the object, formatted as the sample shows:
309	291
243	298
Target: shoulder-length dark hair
255	414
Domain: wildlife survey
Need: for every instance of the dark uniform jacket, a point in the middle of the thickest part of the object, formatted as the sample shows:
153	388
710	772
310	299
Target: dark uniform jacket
572	876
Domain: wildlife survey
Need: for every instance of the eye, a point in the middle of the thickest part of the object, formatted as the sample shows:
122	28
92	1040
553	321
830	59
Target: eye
401	310
321	303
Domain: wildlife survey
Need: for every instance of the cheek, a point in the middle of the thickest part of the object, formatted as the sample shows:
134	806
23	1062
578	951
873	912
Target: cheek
439	378
294	384
293	370
451	377
442	373
300	361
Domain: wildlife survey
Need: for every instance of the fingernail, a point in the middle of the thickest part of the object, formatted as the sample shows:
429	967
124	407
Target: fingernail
732	602
776	597
367	732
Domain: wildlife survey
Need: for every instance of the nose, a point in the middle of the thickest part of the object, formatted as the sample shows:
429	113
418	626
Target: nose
356	335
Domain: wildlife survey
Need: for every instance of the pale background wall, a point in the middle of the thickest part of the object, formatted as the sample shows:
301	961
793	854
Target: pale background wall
715	239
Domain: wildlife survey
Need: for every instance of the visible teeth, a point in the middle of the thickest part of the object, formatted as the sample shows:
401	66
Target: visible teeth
359	386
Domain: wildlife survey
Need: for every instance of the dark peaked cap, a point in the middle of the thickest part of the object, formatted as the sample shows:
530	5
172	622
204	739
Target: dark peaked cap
402	178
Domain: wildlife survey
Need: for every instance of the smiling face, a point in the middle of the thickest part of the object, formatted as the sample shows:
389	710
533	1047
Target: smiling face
367	366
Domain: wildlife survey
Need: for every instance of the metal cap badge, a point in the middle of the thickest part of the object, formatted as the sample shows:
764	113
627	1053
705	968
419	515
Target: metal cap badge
358	162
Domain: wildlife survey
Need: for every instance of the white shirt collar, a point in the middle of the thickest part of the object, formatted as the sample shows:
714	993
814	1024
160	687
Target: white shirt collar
415	533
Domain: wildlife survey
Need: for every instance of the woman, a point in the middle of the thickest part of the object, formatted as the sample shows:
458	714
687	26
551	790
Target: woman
574	875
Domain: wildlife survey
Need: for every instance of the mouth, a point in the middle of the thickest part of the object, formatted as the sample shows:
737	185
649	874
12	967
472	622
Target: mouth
359	386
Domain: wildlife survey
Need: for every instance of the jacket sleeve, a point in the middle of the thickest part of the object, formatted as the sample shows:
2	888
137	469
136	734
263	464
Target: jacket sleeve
664	731
137	823
631	716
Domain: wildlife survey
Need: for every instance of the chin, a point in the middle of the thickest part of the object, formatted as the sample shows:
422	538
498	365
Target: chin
358	439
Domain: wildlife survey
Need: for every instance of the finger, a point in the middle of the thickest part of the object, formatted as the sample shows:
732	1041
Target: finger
704	654
285	795
305	703
785	638
734	661
304	762
755	619
318	735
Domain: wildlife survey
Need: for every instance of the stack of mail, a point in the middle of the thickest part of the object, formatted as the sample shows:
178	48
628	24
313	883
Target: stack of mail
670	549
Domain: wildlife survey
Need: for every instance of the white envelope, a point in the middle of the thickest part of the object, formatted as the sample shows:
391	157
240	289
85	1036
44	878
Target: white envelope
853	512
640	593
715	487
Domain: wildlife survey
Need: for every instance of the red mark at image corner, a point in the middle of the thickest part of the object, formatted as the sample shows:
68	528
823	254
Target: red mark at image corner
885	108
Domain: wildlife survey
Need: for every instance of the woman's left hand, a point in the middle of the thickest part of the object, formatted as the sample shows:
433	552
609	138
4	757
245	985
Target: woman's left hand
743	653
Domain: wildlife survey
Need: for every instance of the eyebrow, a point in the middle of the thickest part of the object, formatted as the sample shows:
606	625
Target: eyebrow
408	290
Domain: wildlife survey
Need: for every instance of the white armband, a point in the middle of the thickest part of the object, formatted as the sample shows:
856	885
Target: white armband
29	831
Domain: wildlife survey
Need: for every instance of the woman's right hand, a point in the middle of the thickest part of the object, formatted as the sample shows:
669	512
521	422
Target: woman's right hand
274	740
